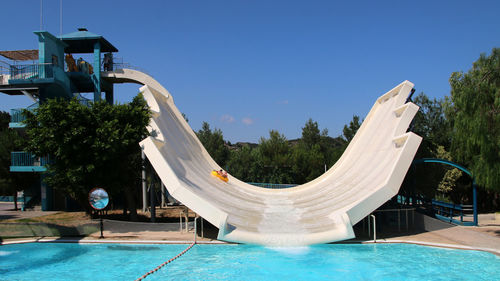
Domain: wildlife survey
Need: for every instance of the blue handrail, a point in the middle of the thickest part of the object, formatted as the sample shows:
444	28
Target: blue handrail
463	169
273	185
447	211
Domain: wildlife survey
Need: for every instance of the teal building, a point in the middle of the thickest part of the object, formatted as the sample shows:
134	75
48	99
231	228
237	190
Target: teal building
52	72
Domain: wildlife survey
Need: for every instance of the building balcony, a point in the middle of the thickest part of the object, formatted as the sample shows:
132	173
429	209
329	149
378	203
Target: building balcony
22	161
17	116
38	71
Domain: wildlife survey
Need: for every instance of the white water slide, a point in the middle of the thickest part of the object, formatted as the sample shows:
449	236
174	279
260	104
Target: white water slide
368	174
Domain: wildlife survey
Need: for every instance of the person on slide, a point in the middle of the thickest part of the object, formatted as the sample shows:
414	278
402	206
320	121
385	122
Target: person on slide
221	174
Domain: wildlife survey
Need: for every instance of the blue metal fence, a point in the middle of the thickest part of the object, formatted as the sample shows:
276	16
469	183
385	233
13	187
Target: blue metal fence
273	185
31	71
83	100
463	169
23	159
453	213
17	116
413	200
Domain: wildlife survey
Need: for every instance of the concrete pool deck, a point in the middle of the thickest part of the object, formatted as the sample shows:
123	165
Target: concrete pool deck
473	238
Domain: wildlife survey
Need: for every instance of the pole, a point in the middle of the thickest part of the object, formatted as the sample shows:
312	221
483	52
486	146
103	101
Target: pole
474	201
406	219
152	202
399	220
102	225
374	229
163	195
369	227
41	15
144	198
202	227
195	228
60	16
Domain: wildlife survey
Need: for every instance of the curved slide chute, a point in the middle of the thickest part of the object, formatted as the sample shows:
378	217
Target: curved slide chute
368	174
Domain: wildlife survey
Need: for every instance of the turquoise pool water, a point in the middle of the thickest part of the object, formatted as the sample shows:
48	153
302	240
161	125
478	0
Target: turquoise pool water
58	261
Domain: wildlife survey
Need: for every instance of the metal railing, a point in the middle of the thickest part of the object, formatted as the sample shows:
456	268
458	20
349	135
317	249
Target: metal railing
4	73
374	228
399	213
83	100
273	185
414	200
4	67
23	158
4	79
453	213
31	71
118	64
17	116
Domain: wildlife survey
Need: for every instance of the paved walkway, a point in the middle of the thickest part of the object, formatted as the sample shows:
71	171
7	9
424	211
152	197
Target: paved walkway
484	237
7	212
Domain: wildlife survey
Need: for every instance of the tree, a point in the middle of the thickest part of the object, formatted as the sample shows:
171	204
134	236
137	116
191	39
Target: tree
474	112
213	141
431	124
310	134
275	157
308	164
309	156
11	140
4	120
350	131
92	146
244	164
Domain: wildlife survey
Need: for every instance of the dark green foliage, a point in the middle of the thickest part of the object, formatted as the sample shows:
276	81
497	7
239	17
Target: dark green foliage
431	124
277	160
350	131
11	140
474	112
92	146
310	134
4	120
213	142
244	164
433	180
313	152
274	156
308	164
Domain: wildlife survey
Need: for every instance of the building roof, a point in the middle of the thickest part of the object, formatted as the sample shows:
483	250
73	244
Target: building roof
20	54
82	41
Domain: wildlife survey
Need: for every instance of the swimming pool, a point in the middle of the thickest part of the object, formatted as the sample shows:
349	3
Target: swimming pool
61	261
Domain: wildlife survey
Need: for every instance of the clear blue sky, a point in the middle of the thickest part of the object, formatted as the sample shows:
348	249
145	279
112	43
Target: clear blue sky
247	67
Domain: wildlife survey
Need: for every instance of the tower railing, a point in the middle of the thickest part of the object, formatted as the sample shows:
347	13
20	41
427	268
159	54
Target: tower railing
17	116
23	158
4	73
31	71
118	64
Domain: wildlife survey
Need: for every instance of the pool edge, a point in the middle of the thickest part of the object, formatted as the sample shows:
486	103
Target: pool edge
216	242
